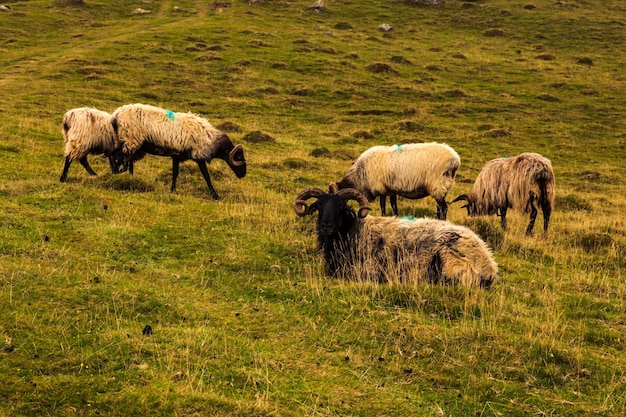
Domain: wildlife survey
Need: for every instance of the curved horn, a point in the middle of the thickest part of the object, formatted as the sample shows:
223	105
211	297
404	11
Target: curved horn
353	194
231	157
459	198
333	188
300	206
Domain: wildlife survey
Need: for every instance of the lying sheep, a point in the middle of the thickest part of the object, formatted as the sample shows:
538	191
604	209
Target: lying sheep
144	129
87	131
517	183
411	171
356	245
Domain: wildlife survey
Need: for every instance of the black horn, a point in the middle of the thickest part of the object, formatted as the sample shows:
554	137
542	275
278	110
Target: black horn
460	198
353	194
300	206
231	157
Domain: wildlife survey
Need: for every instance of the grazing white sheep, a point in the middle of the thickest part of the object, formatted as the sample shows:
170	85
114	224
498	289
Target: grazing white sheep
144	129
356	245
87	131
414	171
517	183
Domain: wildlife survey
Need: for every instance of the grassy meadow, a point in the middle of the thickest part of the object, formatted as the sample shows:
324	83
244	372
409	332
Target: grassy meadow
242	320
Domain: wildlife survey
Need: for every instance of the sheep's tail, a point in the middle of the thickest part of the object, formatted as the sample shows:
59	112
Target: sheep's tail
544	179
545	182
547	187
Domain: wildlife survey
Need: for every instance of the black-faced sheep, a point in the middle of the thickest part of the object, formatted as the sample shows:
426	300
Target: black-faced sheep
144	129
393	249
87	131
411	171
517	183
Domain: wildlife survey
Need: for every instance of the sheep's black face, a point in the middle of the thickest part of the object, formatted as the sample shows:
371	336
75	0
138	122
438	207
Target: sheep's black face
232	154
116	159
240	172
237	163
472	208
332	209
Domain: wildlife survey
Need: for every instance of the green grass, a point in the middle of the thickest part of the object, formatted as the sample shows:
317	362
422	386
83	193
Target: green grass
244	322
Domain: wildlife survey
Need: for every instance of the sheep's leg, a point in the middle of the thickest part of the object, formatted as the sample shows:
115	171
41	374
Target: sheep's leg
503	219
175	169
66	168
533	217
207	178
393	199
442	208
547	210
83	161
383	204
113	165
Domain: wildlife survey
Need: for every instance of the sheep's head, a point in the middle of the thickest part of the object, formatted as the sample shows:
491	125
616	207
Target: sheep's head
470	206
116	160
115	168
332	207
223	148
237	161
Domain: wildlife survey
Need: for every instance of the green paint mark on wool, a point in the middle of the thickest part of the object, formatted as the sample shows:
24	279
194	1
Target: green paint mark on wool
397	147
410	218
170	114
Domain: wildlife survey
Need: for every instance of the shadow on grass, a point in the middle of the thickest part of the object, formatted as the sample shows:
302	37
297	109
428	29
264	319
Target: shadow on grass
124	182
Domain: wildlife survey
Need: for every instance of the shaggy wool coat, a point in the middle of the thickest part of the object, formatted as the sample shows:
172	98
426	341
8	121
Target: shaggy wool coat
391	249
182	133
87	131
513	183
412	171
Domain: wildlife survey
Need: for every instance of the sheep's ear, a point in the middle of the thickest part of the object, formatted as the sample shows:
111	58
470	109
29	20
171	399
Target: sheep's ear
363	212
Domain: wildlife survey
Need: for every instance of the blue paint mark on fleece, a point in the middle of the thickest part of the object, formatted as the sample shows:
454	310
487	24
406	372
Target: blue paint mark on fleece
410	218
170	114
397	147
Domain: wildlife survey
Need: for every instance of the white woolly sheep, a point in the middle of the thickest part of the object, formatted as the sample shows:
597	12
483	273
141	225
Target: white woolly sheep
356	245
144	129
517	183
414	171
87	131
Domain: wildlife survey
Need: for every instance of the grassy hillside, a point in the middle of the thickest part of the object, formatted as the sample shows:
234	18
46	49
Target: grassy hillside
243	320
